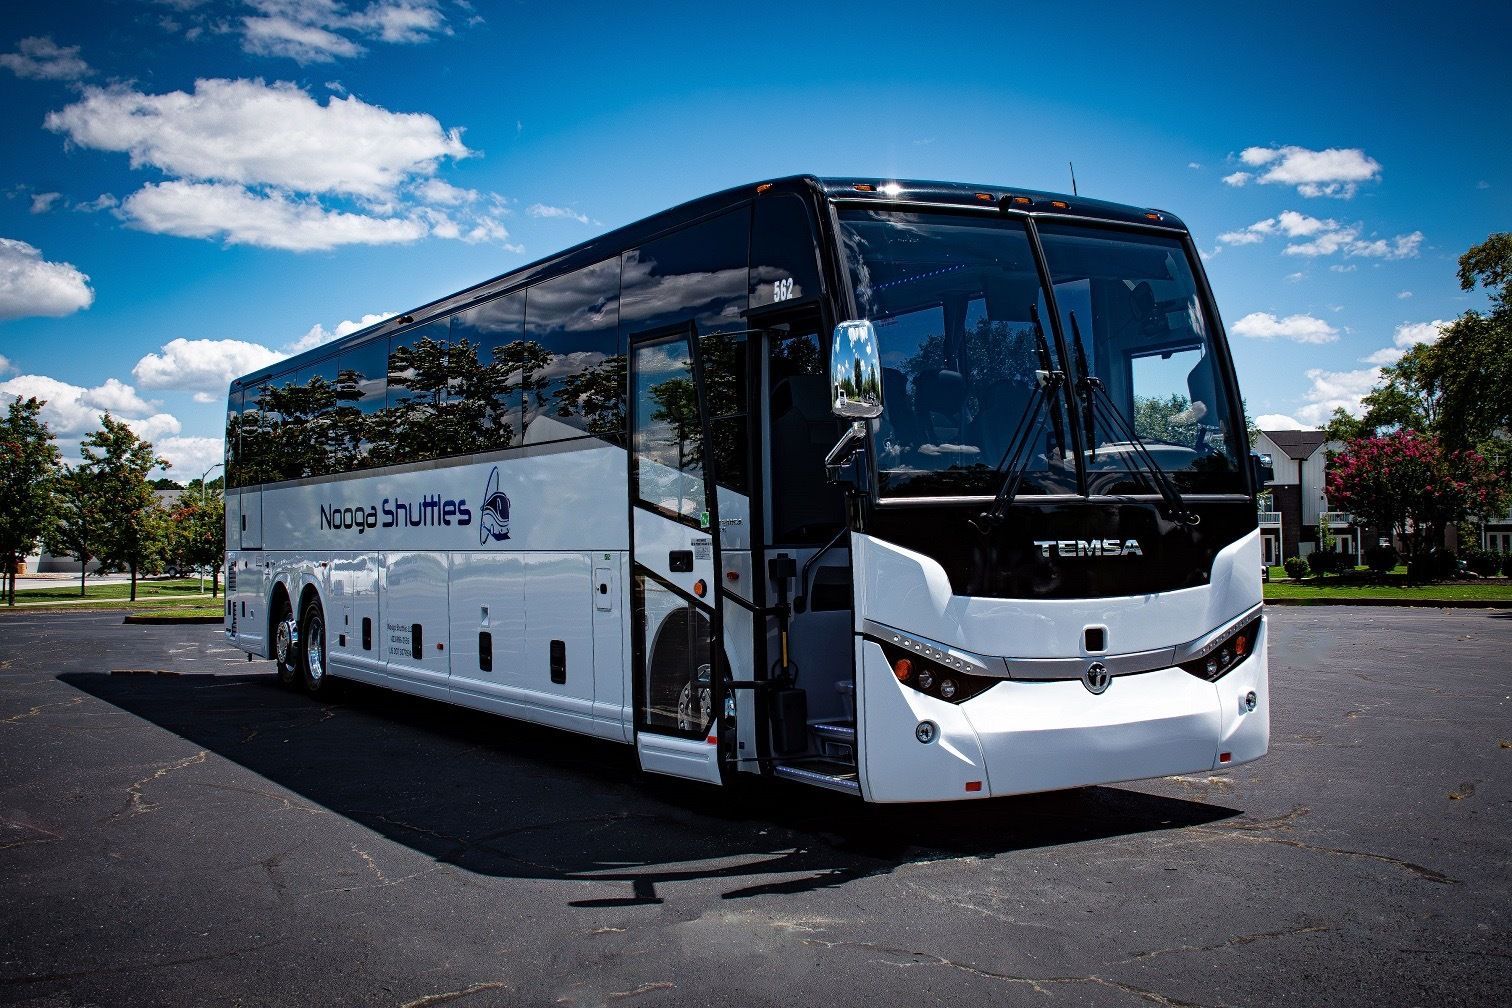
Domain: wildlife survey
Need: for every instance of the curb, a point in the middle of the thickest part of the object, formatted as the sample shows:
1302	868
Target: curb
1396	603
170	620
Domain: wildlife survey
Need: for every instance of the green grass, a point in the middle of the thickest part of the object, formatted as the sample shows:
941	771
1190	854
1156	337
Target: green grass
68	591
1456	591
209	607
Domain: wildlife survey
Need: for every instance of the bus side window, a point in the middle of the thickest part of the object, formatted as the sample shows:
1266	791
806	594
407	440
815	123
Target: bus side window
361	392
573	373
784	251
417	382
488	344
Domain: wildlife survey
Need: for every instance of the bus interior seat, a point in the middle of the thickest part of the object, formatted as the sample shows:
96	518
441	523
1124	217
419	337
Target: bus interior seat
941	394
900	425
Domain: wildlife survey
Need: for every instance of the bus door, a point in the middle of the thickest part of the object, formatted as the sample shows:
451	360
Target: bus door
675	554
804	550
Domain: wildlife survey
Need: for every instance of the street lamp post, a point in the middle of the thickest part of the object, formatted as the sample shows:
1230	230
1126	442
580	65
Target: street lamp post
203	477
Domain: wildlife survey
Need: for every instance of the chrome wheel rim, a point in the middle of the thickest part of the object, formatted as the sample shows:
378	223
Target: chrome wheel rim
315	650
281	642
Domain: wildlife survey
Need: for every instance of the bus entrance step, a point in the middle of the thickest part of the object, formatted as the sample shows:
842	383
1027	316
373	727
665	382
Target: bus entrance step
835	731
822	773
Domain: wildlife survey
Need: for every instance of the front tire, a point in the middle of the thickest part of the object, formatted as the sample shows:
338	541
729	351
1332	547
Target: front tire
312	638
286	646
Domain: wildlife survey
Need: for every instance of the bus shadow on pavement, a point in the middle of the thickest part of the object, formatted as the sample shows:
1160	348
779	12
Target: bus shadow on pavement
505	798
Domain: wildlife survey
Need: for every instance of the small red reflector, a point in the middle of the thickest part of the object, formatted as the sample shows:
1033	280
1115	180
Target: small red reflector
1224	757
440	646
732	575
973	785
712	740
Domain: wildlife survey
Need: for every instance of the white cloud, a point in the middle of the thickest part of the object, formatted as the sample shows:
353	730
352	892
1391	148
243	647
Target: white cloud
434	190
253	133
1237	179
1328	237
1332	390
1336	172
189	457
300	41
43	202
30	285
6	367
154	428
320	31
1297	328
1407	336
104	201
1195	166
41	58
319	334
202	365
542	210
72	410
1296	277
1343	268
241	217
1404	295
1278	422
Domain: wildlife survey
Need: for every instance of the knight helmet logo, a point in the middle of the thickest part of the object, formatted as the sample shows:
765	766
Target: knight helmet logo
494	524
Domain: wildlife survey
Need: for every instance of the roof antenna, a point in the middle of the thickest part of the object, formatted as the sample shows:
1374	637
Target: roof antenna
1073	178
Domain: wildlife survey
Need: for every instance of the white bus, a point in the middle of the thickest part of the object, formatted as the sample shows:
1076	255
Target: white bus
911	490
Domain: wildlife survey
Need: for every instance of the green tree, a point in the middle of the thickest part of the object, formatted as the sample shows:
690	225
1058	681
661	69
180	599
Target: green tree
133	526
1471	364
76	530
29	465
199	530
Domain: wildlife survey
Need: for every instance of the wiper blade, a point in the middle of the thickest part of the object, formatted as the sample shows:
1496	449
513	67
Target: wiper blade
1049	386
1094	396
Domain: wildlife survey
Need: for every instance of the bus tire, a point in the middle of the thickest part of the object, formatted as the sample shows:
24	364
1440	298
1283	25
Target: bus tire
285	647
318	681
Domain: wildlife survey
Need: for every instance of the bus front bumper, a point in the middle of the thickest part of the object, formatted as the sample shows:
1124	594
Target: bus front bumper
1021	737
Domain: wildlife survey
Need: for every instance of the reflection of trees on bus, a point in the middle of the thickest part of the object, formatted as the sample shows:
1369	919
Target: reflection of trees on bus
443	398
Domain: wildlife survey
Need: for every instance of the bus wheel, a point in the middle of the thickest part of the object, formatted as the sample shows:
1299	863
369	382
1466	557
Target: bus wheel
312	637
286	646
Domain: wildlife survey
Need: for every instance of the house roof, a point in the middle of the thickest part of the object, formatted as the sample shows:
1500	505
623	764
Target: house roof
1298	444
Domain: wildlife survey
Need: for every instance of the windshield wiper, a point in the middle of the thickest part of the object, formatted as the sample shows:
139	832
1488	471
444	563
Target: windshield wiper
1049	386
1094	396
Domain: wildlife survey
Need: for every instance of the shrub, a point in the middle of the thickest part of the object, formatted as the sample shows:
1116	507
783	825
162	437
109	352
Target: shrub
1483	562
1296	568
1325	561
1381	559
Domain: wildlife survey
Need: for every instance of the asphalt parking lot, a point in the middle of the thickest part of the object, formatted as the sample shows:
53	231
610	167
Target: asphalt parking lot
205	837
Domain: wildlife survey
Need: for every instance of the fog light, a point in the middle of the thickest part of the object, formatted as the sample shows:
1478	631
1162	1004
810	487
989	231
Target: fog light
926	679
926	732
1250	700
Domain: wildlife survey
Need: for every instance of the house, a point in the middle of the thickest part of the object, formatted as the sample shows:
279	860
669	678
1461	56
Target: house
1289	527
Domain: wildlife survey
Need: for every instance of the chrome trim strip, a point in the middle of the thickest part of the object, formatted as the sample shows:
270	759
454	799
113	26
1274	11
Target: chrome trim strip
951	657
823	780
1059	669
1205	644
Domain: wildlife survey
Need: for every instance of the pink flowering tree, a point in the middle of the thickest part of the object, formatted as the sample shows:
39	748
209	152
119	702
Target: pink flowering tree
1410	483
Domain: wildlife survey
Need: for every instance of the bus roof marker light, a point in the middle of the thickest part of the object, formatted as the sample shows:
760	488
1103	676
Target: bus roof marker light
1022	201
763	188
864	187
1153	215
890	189
985	197
1060	204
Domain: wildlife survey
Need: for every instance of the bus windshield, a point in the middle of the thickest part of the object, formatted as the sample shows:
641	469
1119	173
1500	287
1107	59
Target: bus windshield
964	323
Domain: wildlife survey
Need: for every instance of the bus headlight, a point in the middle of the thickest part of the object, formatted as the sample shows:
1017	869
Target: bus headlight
1227	653
934	679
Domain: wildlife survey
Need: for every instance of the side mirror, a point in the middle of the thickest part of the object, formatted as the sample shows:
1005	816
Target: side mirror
1265	468
855	372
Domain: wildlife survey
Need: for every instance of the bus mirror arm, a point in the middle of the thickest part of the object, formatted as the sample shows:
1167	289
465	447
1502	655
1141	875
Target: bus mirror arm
800	601
847	462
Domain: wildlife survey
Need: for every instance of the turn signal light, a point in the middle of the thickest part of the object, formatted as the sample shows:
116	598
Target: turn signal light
933	678
1225	654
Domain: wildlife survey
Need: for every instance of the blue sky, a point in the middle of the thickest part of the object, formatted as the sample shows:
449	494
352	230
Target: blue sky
191	188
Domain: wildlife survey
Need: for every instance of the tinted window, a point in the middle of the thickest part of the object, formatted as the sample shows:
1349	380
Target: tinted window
697	273
361	390
805	508
418	382
488	350
233	439
723	357
257	455
784	251
668	442
572	373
